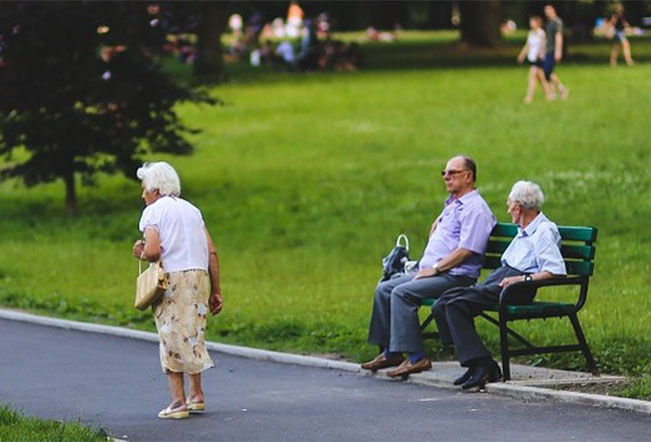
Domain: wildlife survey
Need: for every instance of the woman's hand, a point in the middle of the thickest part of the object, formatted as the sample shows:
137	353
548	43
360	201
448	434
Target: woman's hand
215	303
138	248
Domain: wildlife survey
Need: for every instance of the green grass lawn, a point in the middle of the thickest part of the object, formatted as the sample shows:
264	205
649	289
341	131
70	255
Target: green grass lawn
305	181
16	427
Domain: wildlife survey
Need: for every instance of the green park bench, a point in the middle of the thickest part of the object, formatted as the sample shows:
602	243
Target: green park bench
578	250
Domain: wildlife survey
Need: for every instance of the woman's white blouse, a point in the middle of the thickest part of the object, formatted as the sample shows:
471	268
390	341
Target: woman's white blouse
180	226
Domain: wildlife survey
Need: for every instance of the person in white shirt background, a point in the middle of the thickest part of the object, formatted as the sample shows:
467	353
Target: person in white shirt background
534	51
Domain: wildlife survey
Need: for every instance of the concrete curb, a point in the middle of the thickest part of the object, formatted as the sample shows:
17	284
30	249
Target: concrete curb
513	390
571	397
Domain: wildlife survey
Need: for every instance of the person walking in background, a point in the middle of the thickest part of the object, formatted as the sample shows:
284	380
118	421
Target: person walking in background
452	258
554	52
619	26
534	51
176	235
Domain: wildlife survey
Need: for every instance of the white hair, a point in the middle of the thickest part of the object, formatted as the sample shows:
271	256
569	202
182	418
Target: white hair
527	194
160	176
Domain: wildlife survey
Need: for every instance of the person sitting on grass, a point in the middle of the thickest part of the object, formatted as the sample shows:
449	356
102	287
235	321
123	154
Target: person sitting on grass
534	51
534	254
452	258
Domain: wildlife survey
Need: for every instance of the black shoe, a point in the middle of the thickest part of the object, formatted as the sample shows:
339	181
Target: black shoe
487	371
464	377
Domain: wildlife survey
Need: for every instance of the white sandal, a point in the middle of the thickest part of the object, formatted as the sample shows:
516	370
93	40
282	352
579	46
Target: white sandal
174	413
195	407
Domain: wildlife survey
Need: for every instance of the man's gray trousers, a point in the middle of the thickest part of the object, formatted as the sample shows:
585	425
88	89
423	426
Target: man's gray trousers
394	322
456	309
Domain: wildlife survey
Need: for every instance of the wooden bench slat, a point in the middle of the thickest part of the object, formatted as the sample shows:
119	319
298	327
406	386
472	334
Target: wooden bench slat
568	233
576	233
505	229
579	268
497	246
571	251
578	252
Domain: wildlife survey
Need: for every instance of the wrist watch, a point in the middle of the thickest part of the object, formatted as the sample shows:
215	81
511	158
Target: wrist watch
528	278
436	268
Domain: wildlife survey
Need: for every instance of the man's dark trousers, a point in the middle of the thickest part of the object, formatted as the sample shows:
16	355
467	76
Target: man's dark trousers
456	309
394	323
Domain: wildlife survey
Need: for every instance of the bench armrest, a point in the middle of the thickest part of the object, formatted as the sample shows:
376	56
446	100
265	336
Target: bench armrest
511	292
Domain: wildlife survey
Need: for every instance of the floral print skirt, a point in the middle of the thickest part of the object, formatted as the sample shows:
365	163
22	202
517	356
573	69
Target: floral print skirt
180	318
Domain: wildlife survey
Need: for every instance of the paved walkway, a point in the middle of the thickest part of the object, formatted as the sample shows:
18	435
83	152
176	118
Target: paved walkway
116	383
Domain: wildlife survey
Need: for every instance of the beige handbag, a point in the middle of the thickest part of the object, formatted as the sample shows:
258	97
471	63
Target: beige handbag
150	285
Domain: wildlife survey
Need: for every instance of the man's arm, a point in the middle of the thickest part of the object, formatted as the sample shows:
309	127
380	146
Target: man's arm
523	52
558	52
534	277
452	260
215	301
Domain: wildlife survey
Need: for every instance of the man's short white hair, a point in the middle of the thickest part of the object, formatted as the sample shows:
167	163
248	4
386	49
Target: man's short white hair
161	176
527	194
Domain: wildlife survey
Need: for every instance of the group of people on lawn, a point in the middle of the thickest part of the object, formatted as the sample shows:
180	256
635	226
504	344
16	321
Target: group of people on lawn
176	235
448	270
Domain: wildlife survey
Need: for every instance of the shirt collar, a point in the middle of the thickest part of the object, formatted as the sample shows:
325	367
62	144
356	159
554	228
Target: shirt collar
464	199
533	225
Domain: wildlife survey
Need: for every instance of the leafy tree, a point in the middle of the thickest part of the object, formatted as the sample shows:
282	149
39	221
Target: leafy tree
82	91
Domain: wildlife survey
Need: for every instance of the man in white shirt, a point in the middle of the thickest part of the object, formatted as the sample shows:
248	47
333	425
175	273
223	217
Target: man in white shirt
534	254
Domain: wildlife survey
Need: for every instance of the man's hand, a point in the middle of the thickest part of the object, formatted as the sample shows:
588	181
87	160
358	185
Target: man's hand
520	58
138	248
427	272
557	56
215	302
511	280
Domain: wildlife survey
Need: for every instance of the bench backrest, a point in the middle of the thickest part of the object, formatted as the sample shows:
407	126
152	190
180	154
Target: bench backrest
577	247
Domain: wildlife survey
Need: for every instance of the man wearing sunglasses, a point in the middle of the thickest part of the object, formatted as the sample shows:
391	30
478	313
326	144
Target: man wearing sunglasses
452	258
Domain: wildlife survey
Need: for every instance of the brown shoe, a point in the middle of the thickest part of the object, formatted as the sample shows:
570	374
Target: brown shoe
407	368
382	362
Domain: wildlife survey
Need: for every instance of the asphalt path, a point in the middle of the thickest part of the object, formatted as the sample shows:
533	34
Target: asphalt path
117	384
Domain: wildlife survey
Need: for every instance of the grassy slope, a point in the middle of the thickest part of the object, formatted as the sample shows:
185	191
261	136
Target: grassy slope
306	179
16	427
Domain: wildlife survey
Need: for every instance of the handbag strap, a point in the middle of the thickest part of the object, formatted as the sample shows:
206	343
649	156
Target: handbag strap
140	265
403	237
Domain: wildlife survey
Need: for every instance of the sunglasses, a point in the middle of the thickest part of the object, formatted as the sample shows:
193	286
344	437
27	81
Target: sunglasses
445	173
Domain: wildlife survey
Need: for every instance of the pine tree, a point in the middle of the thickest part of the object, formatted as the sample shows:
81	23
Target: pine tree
82	91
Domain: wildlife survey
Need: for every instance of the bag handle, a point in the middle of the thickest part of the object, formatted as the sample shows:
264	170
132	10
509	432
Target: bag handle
140	260
403	237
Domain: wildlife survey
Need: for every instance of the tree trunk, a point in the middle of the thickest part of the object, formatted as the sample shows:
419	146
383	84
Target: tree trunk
71	194
480	23
209	61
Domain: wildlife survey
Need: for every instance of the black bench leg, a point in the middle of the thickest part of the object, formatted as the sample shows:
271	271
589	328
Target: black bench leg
584	345
504	347
426	322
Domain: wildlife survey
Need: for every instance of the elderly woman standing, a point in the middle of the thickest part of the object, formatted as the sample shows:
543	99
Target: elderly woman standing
175	234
